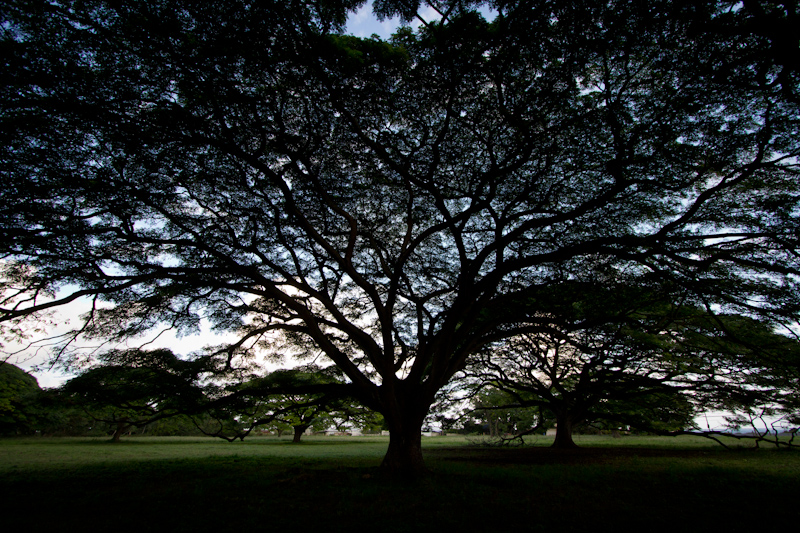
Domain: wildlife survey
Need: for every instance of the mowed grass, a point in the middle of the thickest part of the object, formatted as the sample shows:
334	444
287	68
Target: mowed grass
333	484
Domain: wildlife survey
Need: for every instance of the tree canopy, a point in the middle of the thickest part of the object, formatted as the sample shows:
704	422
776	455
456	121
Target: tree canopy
374	203
132	388
620	354
296	399
18	391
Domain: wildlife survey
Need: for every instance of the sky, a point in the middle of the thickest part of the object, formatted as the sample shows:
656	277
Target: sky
365	24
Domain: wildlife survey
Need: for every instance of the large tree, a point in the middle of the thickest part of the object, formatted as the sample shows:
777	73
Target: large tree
243	162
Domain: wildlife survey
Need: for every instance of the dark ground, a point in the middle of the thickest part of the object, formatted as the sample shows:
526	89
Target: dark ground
469	489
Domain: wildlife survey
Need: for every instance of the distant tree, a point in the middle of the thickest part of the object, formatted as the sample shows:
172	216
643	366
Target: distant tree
644	363
135	388
657	412
368	421
287	400
495	409
18	396
174	426
296	413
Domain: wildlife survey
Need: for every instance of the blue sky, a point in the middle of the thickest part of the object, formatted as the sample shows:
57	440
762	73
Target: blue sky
364	23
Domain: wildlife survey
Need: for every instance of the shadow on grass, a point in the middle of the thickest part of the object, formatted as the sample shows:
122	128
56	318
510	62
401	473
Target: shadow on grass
182	441
549	456
536	489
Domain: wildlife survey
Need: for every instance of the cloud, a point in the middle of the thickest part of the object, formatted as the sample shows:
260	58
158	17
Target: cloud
363	23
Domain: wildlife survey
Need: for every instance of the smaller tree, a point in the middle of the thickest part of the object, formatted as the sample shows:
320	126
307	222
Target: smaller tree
654	371
298	413
134	388
289	399
631	351
18	397
575	361
495	409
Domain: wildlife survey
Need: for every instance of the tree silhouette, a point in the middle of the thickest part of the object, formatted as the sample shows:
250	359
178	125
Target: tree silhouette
622	354
245	163
132	388
296	399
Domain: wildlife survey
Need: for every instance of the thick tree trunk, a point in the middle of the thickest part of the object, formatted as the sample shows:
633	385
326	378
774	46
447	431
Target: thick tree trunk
404	456
118	431
298	432
564	426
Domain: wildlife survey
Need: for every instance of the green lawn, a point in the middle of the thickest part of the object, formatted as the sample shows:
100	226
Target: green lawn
332	484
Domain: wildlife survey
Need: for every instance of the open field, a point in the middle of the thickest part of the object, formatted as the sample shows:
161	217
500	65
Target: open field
332	483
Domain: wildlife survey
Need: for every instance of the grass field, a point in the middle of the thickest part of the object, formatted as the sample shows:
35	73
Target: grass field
333	484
